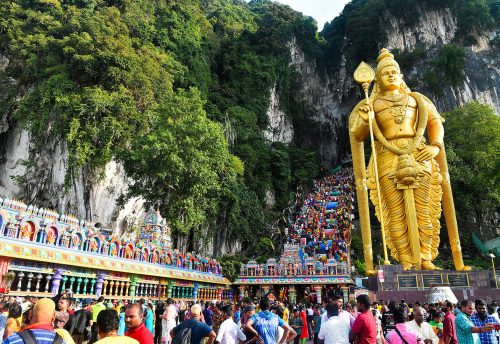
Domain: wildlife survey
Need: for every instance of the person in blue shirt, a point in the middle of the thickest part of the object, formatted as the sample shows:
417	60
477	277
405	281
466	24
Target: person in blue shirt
265	325
208	315
199	330
480	319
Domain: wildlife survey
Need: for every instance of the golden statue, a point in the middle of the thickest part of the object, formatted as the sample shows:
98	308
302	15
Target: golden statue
407	176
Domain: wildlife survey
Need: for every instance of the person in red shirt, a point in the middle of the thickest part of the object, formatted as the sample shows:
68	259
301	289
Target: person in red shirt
136	328
364	327
449	330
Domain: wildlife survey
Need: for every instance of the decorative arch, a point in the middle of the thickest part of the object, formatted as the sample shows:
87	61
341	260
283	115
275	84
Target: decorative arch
51	234
128	251
169	259
2	221
114	247
28	229
180	260
144	255
77	239
94	244
155	257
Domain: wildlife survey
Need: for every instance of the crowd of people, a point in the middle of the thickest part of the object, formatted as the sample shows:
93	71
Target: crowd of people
323	223
61	320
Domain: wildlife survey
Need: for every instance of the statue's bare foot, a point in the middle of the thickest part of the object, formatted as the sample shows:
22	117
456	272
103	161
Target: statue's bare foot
465	268
427	265
407	265
371	272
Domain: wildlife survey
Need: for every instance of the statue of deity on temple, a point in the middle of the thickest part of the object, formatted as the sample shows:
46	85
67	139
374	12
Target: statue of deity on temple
407	175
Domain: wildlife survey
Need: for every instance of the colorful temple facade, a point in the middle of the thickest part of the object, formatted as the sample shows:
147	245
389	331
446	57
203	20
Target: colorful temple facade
43	253
315	260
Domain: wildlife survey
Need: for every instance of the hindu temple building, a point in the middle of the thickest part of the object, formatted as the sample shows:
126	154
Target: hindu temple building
43	253
316	256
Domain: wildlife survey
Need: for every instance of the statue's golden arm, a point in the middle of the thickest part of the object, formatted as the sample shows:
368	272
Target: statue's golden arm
360	129
435	130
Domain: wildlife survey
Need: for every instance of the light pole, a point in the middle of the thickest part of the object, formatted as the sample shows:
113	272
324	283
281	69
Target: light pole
492	256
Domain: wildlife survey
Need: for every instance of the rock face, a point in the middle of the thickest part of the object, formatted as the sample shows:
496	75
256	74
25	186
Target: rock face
435	28
324	100
280	128
39	179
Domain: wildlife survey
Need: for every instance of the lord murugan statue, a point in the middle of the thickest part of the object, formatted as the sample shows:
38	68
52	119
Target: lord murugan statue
407	175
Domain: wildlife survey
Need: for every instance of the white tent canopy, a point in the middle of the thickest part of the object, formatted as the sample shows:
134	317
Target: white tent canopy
439	294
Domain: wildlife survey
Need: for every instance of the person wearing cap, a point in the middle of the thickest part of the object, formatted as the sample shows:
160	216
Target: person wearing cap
199	330
108	324
43	315
78	323
135	324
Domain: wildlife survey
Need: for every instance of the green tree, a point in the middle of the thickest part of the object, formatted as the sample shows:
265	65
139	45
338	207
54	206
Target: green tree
182	163
472	137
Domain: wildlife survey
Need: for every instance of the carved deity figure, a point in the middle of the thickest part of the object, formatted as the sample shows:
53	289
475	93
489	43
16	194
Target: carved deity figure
412	171
26	231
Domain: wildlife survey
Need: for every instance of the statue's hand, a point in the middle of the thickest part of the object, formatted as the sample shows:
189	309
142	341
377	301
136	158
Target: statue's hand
427	153
364	110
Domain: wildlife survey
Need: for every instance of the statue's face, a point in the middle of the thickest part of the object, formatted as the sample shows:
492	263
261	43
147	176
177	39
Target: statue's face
390	79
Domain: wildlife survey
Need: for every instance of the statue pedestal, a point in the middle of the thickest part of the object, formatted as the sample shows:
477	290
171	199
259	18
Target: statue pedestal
415	285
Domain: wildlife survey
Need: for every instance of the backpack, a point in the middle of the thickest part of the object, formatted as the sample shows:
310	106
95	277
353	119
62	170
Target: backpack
29	338
184	335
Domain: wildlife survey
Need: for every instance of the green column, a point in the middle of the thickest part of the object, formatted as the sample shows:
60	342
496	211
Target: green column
78	284
183	289
85	283
64	280
133	283
169	289
92	284
71	282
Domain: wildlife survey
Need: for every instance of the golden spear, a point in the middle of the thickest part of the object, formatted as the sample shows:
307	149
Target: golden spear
364	75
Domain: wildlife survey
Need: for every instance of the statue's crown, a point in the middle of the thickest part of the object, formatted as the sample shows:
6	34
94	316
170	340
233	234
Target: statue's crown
386	59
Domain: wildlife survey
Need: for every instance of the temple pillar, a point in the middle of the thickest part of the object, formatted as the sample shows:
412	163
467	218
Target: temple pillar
85	284
133	285
6	277
56	282
71	282
317	289
195	291
292	293
78	284
170	286
105	287
242	292
30	277
92	286
99	285
38	280
345	292
47	283
219	294
266	288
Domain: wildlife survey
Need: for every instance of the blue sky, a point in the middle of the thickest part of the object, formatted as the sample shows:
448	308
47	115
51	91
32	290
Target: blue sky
321	10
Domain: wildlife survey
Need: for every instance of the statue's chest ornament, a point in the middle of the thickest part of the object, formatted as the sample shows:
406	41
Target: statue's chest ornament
397	105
